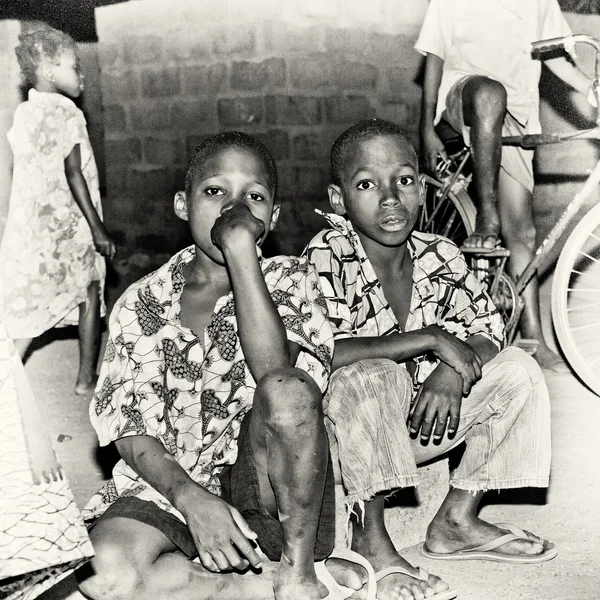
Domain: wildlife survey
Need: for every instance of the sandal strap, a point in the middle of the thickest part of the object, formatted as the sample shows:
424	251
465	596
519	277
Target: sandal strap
515	534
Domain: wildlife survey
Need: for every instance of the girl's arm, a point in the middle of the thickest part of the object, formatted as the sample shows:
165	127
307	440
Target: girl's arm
79	189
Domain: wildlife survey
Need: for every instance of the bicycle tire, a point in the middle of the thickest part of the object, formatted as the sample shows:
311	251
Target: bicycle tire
576	302
452	216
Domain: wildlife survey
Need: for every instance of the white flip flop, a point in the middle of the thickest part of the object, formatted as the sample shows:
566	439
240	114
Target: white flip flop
340	592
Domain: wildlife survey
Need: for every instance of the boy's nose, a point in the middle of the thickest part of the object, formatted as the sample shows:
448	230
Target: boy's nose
231	202
390	199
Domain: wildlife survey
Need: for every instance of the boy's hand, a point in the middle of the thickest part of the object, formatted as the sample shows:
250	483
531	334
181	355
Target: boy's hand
233	224
221	534
437	403
103	242
458	355
431	147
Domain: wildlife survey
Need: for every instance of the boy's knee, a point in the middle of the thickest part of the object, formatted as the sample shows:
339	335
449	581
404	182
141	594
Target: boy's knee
378	379
289	397
374	373
114	577
524	368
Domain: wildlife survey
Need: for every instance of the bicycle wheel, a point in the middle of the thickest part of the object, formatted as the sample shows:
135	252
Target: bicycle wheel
576	299
452	215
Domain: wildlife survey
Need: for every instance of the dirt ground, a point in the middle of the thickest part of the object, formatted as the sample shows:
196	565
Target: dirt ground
568	514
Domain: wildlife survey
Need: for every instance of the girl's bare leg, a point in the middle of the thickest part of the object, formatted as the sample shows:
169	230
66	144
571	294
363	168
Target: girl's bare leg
89	341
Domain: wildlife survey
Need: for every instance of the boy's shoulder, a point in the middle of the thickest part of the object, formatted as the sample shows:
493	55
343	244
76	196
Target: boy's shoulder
331	238
424	242
276	268
152	283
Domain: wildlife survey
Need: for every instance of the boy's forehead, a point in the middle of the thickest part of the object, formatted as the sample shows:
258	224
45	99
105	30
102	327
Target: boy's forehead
374	146
226	159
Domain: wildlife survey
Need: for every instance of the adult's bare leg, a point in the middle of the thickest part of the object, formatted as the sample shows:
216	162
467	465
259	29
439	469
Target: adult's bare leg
290	450
516	214
484	108
89	340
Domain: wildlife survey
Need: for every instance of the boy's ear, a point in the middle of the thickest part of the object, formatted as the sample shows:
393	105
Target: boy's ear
180	205
274	216
336	199
421	189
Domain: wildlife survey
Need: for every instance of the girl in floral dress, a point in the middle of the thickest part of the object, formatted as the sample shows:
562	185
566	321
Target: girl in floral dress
52	268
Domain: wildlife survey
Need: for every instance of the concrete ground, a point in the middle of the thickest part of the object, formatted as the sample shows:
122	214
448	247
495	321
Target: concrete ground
568	514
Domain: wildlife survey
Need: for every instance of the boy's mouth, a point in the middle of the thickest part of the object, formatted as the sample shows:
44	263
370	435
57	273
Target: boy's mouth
393	222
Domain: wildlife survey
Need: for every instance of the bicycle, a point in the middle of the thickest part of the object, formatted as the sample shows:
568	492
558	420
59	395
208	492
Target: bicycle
449	211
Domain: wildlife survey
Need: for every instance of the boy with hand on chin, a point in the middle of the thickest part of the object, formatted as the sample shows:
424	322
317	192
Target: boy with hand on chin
417	341
211	388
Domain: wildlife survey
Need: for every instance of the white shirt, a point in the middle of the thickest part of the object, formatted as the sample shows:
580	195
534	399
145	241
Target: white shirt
492	38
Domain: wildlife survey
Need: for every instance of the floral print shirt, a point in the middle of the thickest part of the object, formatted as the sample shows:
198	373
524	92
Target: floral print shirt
159	379
445	292
47	255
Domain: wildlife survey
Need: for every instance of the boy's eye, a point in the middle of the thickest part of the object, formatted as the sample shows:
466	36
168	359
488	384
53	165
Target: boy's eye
213	191
256	197
365	184
406	180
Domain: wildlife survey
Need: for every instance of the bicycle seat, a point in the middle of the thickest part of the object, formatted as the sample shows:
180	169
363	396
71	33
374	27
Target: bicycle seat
452	140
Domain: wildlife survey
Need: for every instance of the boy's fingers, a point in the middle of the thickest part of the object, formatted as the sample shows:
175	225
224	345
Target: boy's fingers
233	557
440	426
241	523
221	560
247	550
207	561
454	420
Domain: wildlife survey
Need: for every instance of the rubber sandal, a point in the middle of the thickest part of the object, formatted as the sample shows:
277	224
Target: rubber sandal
340	592
423	576
488	551
482	250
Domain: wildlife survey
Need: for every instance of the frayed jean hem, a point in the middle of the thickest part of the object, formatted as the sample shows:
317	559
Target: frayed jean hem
484	486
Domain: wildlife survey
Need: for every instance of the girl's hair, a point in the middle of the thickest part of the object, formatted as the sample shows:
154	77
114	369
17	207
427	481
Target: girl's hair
42	42
222	141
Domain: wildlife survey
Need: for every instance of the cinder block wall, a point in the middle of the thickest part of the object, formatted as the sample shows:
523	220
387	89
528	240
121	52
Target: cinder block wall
295	74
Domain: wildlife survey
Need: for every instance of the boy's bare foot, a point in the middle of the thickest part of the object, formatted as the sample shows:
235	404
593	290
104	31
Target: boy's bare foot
85	385
447	534
290	583
379	550
487	230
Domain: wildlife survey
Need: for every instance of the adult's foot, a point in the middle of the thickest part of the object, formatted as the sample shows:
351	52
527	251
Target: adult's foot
450	533
549	360
487	230
85	384
381	553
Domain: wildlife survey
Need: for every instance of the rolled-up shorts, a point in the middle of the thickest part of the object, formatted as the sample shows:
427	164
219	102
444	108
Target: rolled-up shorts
240	488
516	162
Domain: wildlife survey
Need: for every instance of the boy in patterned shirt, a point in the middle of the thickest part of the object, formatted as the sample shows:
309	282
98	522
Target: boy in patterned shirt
418	355
211	388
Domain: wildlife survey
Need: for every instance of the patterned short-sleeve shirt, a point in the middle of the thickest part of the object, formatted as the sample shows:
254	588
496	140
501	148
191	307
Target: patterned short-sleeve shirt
159	379
445	292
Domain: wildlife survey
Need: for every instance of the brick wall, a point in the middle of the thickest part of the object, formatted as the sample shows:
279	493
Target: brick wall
294	74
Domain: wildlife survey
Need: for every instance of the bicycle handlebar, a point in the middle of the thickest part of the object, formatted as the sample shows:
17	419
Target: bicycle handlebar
566	42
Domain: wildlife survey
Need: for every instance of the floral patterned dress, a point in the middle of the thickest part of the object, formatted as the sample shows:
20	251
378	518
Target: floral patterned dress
47	255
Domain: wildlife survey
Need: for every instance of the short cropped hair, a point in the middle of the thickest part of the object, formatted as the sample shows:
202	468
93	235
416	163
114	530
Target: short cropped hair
222	141
364	130
43	42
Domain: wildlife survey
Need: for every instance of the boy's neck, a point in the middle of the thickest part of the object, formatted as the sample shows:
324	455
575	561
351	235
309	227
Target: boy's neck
202	269
390	258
